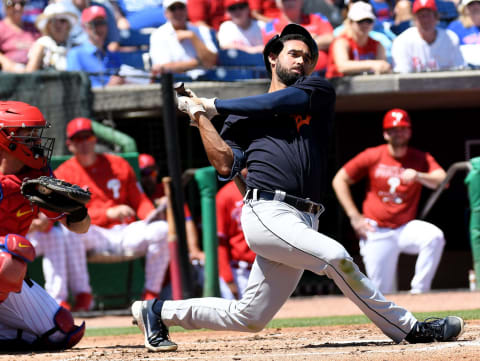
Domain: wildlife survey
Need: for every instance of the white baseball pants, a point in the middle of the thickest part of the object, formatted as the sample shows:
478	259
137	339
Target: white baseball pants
381	249
286	242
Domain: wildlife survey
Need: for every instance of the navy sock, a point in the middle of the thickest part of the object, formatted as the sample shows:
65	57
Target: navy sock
157	307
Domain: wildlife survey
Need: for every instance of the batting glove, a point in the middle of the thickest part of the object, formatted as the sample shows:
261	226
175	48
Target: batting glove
210	108
189	106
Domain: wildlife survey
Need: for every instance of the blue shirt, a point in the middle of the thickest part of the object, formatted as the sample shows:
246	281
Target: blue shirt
143	13
284	136
88	58
469	35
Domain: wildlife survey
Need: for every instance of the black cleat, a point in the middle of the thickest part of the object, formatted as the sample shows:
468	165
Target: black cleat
151	325
436	329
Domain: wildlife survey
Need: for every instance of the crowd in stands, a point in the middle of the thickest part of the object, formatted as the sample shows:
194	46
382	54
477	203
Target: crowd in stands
195	39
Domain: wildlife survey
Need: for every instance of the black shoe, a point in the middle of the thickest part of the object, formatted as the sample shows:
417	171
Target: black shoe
436	329
151	325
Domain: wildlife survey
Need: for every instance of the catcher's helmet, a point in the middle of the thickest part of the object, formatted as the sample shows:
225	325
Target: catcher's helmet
29	147
396	118
275	45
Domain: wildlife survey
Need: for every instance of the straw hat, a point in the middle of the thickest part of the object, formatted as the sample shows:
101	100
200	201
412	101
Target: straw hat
55	10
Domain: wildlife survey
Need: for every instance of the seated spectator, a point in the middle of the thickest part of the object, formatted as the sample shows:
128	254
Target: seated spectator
16	37
32	9
117	202
330	8
93	56
139	14
50	51
426	47
264	10
210	13
316	24
241	32
467	29
403	18
78	35
382	11
180	47
354	51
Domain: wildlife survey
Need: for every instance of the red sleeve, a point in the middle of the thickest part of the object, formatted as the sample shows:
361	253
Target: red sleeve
358	166
198	10
322	26
186	211
432	163
223	238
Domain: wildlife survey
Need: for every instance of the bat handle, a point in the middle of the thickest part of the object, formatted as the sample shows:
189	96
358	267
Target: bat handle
180	89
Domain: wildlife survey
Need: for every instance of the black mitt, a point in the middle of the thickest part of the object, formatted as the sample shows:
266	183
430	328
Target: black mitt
55	195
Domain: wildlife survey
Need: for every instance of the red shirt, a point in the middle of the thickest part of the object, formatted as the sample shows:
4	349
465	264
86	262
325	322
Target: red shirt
16	212
231	240
315	23
389	202
212	12
112	182
267	8
355	52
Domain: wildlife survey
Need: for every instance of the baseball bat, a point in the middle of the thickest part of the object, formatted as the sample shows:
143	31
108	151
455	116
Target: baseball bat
179	88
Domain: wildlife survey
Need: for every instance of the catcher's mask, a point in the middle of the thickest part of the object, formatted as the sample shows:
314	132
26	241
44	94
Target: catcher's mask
275	44
21	130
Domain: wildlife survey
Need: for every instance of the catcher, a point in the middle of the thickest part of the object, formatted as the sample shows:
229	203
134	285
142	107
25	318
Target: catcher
29	318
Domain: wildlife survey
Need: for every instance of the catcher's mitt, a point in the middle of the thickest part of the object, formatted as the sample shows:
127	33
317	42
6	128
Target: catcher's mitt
54	194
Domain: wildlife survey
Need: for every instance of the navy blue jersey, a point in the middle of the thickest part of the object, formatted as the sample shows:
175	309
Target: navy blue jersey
284	136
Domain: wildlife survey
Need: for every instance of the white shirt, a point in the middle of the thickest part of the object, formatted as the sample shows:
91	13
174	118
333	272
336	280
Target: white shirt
54	55
230	33
411	53
165	47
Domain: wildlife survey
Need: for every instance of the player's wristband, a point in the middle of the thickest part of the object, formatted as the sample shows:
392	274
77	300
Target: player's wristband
77	216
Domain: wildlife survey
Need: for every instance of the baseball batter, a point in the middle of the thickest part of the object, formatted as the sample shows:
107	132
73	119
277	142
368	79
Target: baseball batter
282	138
387	227
29	318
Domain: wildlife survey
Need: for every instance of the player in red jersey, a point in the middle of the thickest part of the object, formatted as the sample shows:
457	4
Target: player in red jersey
387	227
29	318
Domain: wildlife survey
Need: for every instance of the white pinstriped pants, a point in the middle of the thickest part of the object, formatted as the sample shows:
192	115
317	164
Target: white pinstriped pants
65	254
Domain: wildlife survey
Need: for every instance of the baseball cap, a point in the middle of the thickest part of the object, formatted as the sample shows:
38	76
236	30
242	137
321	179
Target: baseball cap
229	3
272	44
145	160
360	11
168	3
424	4
54	11
466	2
93	12
396	118
78	125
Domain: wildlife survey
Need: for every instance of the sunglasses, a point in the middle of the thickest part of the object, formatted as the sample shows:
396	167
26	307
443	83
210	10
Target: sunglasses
236	7
60	20
365	21
177	6
10	3
83	137
97	22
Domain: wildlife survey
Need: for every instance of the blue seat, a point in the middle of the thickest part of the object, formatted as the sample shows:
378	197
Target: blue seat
238	65
133	58
447	12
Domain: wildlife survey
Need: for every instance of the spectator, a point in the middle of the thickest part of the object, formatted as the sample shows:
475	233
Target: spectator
50	51
180	47
330	8
92	56
396	173
264	10
78	35
467	29
115	205
382	11
156	193
139	14
403	17
241	32
16	37
235	258
425	46
354	51
316	24
210	13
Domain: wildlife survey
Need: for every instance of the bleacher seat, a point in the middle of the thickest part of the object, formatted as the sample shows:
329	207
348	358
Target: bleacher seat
235	65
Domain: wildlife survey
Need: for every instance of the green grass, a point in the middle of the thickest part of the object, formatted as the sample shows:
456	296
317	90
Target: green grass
297	322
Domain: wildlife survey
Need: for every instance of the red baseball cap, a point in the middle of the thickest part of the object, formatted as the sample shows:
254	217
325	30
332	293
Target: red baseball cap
78	125
229	3
93	12
424	4
396	118
145	161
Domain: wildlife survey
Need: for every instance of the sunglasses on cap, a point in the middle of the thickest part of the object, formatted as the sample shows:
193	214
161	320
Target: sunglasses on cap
10	3
365	21
236	7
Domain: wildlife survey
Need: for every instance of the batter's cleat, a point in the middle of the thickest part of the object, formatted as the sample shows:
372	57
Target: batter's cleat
436	329
151	325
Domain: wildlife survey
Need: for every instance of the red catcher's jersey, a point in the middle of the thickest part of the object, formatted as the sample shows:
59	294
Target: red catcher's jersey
112	182
231	240
389	202
16	212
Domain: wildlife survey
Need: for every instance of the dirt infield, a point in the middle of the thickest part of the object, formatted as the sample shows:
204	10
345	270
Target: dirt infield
359	342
